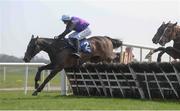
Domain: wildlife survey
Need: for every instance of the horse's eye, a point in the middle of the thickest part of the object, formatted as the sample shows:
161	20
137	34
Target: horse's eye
30	46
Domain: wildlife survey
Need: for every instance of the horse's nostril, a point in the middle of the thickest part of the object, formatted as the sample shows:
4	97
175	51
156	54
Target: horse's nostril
25	59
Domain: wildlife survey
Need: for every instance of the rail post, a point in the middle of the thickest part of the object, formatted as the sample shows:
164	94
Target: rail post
63	83
4	73
26	79
140	54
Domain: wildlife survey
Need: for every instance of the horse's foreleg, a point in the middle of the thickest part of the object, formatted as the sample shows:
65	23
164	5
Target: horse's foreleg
160	55
154	51
173	52
159	49
149	54
38	74
48	78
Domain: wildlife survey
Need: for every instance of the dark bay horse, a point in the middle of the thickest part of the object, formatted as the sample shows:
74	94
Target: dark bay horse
171	32
61	56
156	38
159	32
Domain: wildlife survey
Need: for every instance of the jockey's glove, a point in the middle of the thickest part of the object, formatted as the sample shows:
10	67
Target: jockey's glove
60	37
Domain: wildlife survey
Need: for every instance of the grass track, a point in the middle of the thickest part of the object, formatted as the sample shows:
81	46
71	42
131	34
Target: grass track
15	78
52	100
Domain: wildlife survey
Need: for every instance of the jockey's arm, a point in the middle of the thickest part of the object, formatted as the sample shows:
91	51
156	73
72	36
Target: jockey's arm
68	29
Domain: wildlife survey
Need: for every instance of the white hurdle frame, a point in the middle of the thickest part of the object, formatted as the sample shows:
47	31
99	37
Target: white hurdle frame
27	65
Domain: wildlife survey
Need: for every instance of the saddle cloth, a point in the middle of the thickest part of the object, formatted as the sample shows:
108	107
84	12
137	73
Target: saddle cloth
85	46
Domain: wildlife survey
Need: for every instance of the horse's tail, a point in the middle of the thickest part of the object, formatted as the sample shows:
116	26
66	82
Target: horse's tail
116	42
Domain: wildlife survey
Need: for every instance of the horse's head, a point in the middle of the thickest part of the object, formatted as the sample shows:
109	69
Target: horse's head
159	32
168	34
32	49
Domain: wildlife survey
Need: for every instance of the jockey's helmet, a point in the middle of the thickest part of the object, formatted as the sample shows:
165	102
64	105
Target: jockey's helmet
65	18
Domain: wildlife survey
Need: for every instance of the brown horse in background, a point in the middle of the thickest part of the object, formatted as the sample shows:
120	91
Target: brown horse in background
61	55
170	32
159	32
156	39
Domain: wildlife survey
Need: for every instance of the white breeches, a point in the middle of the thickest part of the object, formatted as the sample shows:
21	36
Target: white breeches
81	35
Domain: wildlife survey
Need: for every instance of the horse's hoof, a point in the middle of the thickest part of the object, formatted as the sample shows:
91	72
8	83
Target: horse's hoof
35	93
149	55
158	59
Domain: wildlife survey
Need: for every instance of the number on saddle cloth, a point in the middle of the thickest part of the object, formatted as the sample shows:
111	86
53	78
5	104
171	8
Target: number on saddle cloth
85	46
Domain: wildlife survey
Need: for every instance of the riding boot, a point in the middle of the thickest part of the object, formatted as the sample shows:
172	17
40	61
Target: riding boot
77	48
70	42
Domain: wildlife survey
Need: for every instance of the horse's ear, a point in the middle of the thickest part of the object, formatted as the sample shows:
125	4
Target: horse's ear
169	22
175	24
37	37
163	22
32	37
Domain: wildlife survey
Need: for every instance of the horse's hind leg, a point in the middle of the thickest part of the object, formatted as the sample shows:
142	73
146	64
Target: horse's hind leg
38	74
48	78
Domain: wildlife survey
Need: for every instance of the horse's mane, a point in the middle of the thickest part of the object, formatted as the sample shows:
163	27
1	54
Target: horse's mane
45	40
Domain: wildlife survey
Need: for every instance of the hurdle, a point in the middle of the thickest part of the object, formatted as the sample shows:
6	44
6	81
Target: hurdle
135	80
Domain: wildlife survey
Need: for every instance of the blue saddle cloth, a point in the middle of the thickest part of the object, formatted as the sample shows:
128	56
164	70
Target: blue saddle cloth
85	46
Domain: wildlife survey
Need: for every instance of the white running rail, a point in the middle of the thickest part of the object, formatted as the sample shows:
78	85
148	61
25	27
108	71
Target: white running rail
27	65
141	48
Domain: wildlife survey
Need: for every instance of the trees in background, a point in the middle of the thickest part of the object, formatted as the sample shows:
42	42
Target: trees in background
9	58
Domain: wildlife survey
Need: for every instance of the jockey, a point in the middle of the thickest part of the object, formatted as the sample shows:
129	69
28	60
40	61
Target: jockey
80	28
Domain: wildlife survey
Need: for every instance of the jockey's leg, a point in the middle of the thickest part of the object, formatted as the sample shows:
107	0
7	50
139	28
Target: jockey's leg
77	45
72	38
86	32
75	38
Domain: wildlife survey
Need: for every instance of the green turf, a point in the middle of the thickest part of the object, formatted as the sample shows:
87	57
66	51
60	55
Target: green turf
52	100
15	78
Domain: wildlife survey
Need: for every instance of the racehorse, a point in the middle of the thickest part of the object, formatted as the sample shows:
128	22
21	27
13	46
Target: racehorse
60	54
159	32
156	39
171	32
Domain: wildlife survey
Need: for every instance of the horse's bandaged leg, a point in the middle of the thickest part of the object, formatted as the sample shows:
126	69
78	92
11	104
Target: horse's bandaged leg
149	54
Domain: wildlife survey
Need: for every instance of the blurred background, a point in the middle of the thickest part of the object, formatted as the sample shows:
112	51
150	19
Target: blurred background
133	21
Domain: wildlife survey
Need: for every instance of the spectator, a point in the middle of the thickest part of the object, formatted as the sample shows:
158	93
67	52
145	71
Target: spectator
128	56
